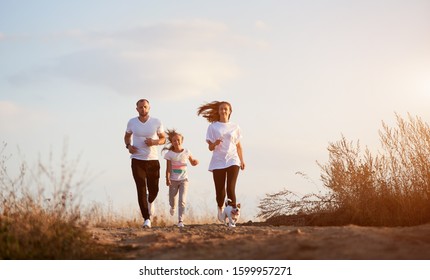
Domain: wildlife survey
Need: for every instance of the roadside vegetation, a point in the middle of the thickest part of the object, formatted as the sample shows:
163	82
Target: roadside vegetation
388	188
40	216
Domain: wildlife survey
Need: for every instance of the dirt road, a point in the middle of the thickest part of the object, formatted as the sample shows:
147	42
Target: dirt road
259	241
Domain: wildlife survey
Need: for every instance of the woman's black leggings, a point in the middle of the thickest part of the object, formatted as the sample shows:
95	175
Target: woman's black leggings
228	174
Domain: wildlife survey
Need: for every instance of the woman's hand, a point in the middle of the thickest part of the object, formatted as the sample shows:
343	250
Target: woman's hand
242	165
212	146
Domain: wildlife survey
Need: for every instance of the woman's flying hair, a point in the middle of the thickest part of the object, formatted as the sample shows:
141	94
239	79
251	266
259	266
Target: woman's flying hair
170	134
210	111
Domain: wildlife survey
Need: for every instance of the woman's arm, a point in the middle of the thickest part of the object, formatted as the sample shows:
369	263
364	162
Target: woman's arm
212	146
240	153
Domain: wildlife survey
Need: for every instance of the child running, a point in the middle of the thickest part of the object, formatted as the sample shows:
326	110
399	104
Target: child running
176	172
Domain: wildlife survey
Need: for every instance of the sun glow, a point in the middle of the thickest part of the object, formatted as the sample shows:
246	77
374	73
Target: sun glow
423	83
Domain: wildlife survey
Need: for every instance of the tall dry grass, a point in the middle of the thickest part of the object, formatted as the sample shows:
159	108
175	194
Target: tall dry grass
39	216
42	216
391	188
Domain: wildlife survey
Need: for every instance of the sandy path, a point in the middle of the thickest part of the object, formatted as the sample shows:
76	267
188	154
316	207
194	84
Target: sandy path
253	241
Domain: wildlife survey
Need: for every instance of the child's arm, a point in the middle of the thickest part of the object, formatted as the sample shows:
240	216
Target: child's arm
193	161
168	168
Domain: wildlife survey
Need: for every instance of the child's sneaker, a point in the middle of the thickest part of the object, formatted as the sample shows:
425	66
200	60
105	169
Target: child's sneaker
147	223
181	224
172	211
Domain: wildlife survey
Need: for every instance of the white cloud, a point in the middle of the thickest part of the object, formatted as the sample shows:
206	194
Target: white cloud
162	73
174	59
193	34
12	118
8	109
181	73
261	25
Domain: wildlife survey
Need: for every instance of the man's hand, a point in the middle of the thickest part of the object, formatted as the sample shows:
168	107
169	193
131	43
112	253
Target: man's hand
151	142
132	149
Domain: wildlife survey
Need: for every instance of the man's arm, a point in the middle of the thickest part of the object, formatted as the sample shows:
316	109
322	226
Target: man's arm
161	138
127	140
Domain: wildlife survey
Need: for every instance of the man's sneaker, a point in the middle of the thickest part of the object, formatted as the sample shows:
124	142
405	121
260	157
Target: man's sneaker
151	208
180	224
221	215
147	223
172	211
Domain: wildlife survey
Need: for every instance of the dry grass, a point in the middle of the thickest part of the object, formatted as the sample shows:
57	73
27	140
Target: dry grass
104	216
391	188
39	219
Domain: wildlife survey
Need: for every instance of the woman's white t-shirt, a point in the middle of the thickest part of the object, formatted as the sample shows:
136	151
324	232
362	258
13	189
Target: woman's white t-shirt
178	164
225	154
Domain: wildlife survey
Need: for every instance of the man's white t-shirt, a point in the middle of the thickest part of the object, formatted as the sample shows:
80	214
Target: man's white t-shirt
140	132
179	164
225	154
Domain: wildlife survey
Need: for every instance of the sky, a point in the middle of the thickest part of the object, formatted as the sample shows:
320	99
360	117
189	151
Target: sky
299	75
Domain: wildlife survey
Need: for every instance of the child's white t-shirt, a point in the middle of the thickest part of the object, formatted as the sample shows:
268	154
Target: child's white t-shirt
149	129
178	164
225	154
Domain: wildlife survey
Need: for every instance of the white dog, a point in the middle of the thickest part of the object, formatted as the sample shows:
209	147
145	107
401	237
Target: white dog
231	213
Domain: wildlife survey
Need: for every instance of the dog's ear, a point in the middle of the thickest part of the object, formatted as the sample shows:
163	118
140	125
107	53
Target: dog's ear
238	205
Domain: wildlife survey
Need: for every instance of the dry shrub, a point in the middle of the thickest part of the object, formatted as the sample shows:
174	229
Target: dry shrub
39	218
42	235
286	202
391	188
288	208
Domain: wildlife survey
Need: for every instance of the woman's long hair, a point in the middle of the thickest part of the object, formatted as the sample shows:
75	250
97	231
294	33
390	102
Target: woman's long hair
170	134
210	111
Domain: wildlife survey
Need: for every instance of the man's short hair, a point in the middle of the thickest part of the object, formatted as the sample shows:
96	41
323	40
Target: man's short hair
141	100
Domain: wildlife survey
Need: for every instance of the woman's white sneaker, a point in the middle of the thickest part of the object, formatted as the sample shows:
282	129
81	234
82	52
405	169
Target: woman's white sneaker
181	224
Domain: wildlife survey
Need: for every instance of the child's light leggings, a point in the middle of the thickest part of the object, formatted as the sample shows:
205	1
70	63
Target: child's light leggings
181	188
